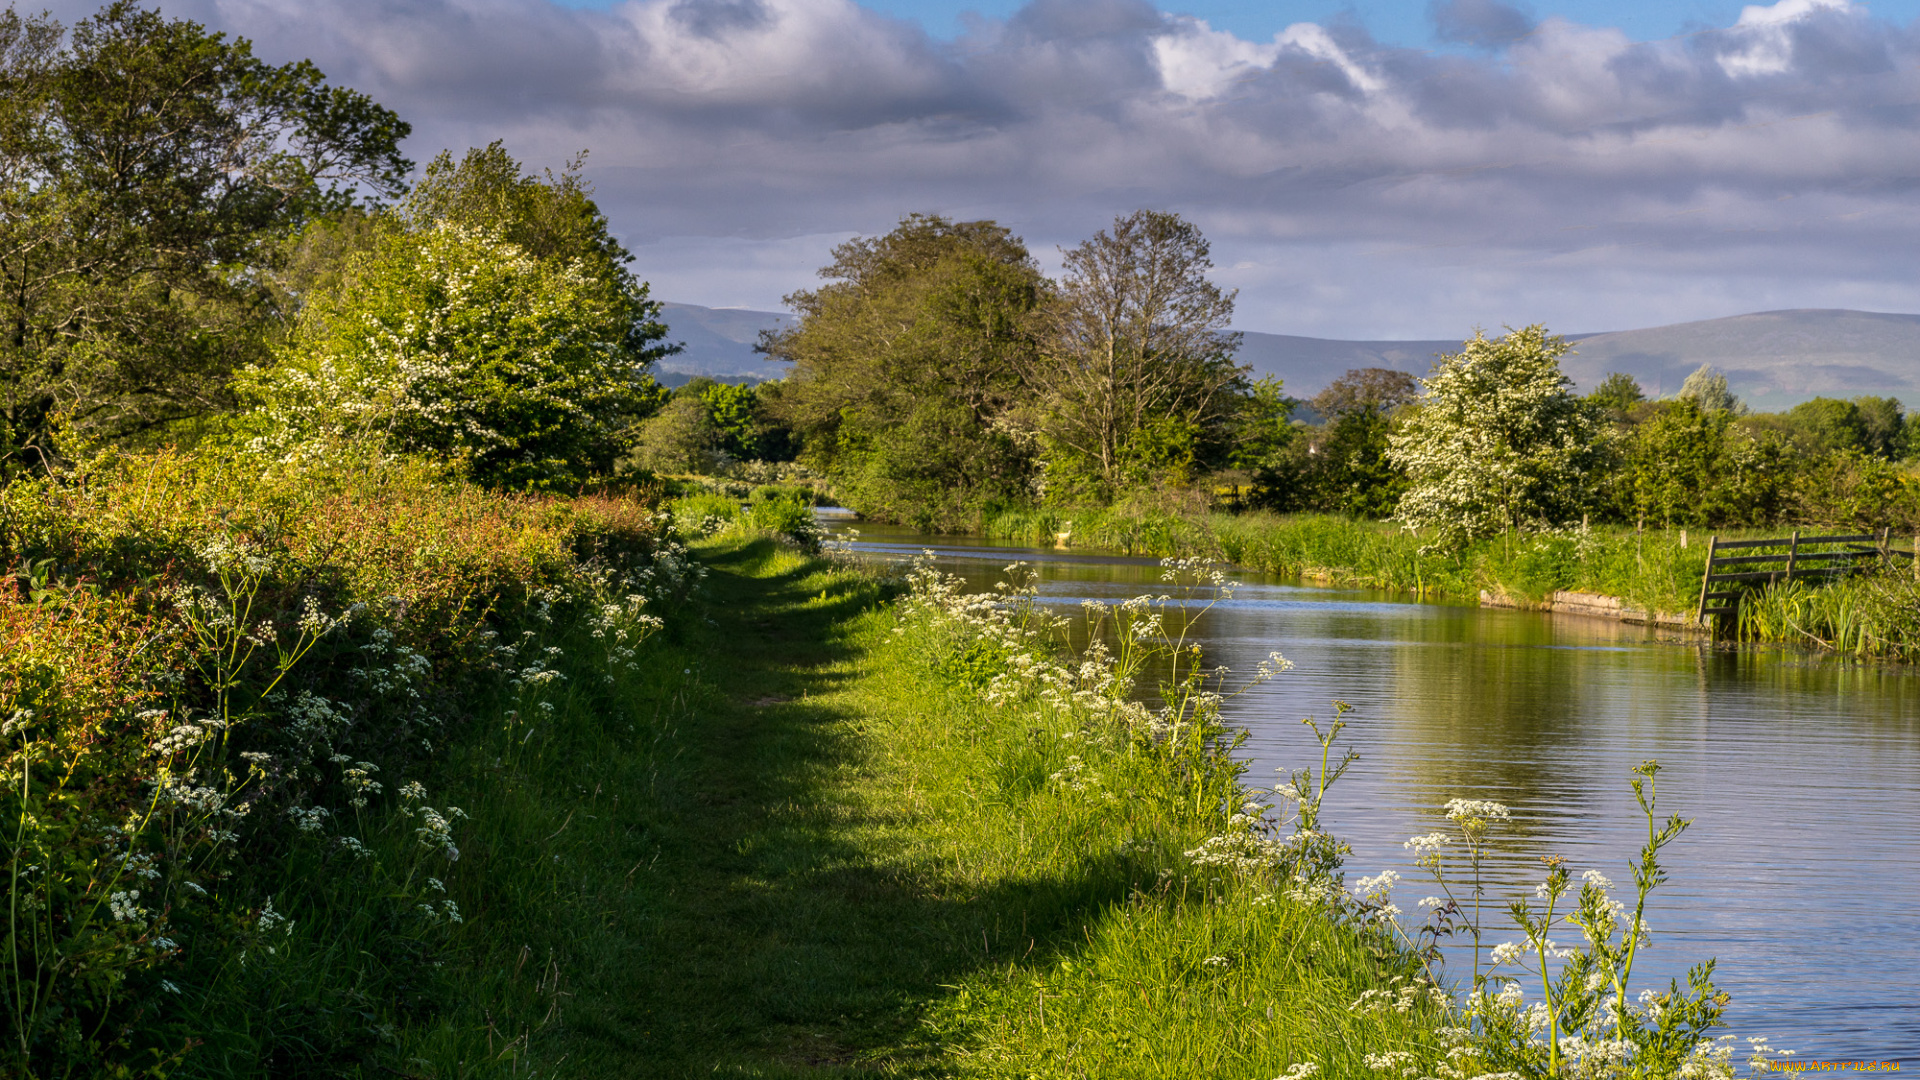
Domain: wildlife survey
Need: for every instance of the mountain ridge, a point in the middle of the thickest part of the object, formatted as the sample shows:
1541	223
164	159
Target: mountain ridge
1772	359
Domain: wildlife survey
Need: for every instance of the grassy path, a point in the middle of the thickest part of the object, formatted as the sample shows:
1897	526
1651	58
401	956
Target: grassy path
829	860
768	932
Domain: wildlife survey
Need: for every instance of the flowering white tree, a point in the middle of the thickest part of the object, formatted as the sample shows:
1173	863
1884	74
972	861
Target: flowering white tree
1498	440
456	343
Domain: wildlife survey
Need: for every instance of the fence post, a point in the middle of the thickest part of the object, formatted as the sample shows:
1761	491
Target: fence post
1706	576
1793	555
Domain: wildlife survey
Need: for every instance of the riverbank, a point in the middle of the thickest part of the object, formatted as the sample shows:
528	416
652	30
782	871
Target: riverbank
1647	577
1654	571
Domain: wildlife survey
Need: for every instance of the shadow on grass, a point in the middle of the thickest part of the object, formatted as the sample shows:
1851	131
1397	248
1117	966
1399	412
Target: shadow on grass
777	931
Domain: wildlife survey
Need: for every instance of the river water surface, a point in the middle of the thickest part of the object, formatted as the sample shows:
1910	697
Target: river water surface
1801	872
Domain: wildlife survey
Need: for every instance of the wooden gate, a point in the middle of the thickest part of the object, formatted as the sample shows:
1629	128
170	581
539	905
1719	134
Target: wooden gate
1799	558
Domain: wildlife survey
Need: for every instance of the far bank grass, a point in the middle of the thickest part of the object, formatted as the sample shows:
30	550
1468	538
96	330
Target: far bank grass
1874	616
1651	569
828	860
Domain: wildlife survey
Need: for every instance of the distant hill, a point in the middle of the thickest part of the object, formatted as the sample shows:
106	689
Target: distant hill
1772	359
1306	365
719	342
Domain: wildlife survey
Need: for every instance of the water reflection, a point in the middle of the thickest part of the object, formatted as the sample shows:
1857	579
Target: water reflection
1802	774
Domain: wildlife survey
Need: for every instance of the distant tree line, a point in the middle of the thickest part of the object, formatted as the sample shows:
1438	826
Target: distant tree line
938	374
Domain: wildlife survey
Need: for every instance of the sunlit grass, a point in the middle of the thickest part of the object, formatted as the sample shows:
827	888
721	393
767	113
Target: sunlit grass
1650	569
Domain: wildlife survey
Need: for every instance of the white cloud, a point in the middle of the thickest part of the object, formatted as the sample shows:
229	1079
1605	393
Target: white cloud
1197	61
1766	32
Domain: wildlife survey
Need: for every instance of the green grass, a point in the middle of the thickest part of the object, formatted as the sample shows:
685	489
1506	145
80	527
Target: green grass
1873	615
1649	569
783	842
789	848
786	848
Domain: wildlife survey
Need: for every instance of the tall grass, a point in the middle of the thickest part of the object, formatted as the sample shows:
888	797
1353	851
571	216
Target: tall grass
1202	938
1651	570
1871	615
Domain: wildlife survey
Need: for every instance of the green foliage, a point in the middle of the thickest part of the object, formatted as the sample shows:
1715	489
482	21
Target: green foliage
1497	442
781	511
1686	465
681	438
457	344
707	425
490	322
1884	424
1854	490
733	410
1351	472
1265	437
1618	393
1134	381
905	365
785	512
554	220
1830	425
149	174
1340	466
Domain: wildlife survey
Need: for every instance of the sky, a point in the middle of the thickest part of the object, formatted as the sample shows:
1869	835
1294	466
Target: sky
1365	170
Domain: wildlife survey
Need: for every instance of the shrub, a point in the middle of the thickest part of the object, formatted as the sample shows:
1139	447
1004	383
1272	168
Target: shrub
206	664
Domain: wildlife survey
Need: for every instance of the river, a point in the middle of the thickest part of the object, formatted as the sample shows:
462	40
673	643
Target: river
1801	773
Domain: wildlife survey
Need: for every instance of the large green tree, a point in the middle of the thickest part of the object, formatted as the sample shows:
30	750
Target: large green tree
1135	377
906	365
150	175
1498	441
491	321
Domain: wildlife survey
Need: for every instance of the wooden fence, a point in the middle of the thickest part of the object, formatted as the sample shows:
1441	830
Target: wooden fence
1830	557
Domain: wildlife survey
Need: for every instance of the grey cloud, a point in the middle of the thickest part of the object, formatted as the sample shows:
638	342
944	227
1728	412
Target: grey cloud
1574	160
1485	23
1083	20
713	18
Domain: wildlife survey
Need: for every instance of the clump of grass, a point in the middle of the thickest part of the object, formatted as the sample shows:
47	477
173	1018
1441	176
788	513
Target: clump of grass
1870	615
783	511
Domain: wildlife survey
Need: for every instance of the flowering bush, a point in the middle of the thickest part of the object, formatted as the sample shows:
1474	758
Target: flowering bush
455	342
1498	441
204	665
